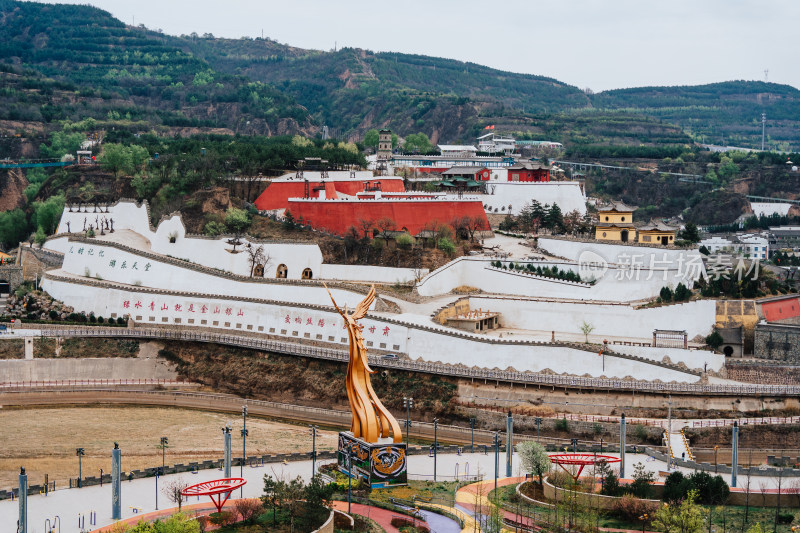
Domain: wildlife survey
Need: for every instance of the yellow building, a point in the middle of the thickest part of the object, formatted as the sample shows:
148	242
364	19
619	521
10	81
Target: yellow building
657	233
616	223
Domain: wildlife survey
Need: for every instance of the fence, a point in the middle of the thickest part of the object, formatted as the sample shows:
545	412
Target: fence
525	378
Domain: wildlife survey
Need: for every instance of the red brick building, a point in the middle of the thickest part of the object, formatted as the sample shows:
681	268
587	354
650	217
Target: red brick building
532	171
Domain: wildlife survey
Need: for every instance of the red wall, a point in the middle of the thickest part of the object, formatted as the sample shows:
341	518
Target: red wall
788	308
277	194
338	216
529	175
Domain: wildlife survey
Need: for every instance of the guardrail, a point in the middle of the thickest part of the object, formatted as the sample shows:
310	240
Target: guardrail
526	378
25	385
769	420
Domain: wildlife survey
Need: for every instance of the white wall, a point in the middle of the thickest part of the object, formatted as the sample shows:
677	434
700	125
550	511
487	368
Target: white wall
285	319
613	285
697	317
567	194
369	273
680	265
696	359
93	260
769	208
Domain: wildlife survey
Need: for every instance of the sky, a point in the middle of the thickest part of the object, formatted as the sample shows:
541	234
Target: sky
596	44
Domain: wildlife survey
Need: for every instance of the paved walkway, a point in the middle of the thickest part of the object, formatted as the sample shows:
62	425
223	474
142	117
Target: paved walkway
383	517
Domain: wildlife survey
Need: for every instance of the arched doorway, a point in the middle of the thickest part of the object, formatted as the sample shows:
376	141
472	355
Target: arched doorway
5	287
624	235
258	271
307	274
282	271
728	351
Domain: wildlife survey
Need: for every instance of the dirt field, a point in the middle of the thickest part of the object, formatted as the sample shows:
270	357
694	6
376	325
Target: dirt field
44	440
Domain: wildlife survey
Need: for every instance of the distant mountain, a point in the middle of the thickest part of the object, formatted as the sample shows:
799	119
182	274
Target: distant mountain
79	61
71	62
721	113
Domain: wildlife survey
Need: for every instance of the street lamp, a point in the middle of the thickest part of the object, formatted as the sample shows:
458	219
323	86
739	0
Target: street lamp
244	434
538	421
496	458
643	518
716	449
574	445
313	431
408	403
163	446
80	453
435	445
472	421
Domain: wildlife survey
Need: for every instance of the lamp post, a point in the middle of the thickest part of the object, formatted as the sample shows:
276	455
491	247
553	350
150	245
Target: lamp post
244	434
435	445
80	453
226	434
496	457
643	518
164	445
349	474
408	403
716	449
313	431
574	443
538	421
159	472
472	421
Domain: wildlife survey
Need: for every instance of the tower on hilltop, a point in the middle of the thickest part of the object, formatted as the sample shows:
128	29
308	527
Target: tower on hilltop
384	145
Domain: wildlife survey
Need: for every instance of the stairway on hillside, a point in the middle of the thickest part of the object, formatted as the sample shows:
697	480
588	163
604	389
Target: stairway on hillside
678	446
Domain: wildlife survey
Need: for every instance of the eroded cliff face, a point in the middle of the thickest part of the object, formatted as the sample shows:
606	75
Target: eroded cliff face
12	188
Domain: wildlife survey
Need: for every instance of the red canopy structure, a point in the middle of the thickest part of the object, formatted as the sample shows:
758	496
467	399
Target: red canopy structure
219	490
580	459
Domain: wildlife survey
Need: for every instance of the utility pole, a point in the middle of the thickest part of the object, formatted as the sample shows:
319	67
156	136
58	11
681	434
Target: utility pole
622	446
80	453
226	434
669	433
509	443
735	454
408	403
472	421
313	431
244	442
763	129
435	445
116	503
163	446
496	458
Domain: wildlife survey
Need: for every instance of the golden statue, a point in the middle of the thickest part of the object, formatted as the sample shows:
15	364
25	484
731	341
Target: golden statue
370	417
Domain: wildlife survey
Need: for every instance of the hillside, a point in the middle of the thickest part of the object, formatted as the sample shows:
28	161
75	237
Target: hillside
73	62
727	113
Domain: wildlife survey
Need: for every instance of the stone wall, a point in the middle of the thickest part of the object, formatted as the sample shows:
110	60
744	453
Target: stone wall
12	274
777	342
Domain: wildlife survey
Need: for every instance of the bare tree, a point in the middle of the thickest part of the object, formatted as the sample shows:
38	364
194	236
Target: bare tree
475	224
366	225
248	509
173	490
385	225
257	256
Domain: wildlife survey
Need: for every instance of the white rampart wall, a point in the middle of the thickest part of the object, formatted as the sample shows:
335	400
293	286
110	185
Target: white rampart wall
210	252
112	264
500	194
285	319
697	317
696	359
369	273
614	285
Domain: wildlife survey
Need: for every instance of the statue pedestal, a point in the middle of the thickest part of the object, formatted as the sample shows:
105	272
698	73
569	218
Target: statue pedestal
380	465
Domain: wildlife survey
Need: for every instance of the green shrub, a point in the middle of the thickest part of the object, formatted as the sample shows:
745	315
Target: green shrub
53	314
630	508
562	424
447	246
405	241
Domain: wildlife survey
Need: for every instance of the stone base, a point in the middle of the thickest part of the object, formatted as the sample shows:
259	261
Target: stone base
380	465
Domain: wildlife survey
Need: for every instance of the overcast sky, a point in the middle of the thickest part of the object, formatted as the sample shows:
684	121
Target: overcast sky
600	44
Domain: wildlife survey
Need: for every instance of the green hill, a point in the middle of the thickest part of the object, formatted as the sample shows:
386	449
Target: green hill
728	112
81	62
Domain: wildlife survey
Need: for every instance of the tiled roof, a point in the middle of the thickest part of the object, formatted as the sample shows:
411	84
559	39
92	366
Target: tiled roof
619	207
